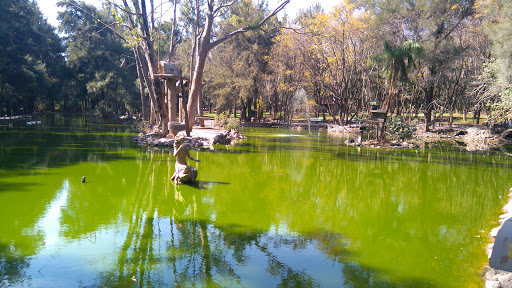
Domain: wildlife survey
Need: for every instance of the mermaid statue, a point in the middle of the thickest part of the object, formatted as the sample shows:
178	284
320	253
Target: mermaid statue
182	172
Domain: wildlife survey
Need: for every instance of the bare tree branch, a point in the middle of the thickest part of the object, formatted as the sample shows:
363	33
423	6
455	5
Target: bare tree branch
245	29
106	26
223	6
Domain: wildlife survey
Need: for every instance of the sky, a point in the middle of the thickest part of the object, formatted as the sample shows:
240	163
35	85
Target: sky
50	9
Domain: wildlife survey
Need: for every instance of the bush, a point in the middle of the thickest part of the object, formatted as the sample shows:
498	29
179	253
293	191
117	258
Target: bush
227	122
104	110
400	129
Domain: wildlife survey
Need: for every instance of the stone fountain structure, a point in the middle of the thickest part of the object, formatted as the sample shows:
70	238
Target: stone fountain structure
176	89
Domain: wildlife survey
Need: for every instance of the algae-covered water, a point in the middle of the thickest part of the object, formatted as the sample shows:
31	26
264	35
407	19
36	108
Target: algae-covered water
279	210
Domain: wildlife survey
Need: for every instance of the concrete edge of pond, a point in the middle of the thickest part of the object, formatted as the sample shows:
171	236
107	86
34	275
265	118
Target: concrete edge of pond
495	278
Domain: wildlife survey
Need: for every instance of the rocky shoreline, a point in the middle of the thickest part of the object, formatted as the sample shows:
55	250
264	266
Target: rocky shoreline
495	278
199	138
471	138
474	138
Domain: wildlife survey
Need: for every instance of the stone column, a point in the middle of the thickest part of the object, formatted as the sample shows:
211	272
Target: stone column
172	99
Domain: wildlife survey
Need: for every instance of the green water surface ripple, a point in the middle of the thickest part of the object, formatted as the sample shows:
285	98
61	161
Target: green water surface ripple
279	210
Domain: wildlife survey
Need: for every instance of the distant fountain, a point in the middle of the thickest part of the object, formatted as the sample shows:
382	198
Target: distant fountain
301	105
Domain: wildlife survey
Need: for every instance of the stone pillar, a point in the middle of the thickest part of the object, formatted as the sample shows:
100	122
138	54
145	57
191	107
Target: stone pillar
182	105
172	98
165	120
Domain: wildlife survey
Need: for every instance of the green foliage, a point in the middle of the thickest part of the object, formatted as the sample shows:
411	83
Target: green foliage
227	122
448	31
398	61
103	76
397	64
31	58
495	83
236	68
400	129
104	111
499	30
260	109
330	56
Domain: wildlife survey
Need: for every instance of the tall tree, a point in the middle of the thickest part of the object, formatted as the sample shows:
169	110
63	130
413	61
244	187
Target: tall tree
236	68
31	58
136	16
284	72
97	60
430	23
206	41
494	86
398	62
327	56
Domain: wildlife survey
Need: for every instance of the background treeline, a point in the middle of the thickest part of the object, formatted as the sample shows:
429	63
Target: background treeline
347	60
80	70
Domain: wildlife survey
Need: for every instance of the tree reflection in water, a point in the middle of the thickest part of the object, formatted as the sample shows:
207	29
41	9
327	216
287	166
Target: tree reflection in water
165	248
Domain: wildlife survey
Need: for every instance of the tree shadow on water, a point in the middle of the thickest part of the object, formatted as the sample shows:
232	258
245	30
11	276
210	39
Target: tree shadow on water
21	151
17	187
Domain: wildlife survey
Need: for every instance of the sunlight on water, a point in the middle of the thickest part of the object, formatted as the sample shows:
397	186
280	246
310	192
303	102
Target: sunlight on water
50	223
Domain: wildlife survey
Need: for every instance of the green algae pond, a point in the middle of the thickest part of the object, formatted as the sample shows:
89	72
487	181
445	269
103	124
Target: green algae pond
280	209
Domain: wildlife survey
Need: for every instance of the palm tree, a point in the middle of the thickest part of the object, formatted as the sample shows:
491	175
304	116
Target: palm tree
398	63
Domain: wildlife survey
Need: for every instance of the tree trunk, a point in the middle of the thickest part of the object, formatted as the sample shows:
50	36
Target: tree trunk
429	97
172	44
249	110
152	114
1	99
165	109
204	45
242	112
154	85
144	109
256	116
151	89
196	86
200	102
340	114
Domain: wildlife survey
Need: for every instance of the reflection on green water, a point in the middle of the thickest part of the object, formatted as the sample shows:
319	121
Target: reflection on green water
278	210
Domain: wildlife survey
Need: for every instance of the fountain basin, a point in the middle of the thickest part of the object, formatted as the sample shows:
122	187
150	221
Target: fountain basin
176	127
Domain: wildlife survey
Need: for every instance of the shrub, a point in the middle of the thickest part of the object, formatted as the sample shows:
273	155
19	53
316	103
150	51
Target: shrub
227	122
400	129
104	110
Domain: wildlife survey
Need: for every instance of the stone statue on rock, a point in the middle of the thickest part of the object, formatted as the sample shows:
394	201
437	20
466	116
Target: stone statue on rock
182	172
